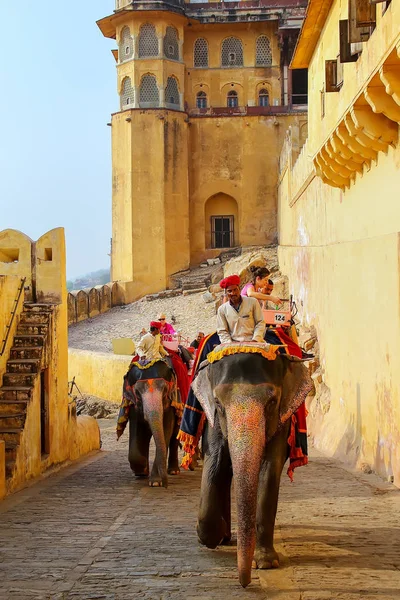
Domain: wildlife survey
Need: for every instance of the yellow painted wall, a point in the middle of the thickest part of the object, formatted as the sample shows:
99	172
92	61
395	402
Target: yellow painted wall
340	251
155	199
9	285
246	80
97	373
47	275
236	156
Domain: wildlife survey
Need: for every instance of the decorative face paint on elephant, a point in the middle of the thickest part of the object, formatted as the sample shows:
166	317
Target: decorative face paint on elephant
151	405
248	401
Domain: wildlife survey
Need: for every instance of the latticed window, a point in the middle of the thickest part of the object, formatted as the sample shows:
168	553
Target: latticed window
149	96
263	98
148	42
263	52
232	52
201	100
200	53
172	92
127	93
232	100
171	46
125	45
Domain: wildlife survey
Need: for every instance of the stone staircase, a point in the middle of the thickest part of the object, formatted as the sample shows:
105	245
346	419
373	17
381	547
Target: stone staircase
22	369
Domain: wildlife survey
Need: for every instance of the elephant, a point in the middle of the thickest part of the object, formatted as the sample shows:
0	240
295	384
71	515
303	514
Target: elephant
150	395
248	401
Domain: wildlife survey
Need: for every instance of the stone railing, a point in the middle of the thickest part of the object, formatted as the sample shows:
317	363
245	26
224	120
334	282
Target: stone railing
89	302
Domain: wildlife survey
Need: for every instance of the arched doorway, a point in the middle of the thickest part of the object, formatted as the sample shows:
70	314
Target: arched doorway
221	221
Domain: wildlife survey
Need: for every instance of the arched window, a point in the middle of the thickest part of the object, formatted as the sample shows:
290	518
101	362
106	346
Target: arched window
171	46
149	96
148	42
263	98
263	52
200	53
172	93
125	51
201	100
127	94
232	53
232	100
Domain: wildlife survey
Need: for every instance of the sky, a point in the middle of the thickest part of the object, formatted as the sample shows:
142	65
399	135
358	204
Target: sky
57	92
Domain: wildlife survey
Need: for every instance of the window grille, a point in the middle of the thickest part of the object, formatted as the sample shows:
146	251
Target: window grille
201	100
171	46
149	96
172	93
263	52
125	45
263	98
200	53
232	99
127	93
148	42
232	52
222	231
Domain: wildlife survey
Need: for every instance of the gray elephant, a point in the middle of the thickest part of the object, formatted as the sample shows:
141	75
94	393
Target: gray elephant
151	406
248	401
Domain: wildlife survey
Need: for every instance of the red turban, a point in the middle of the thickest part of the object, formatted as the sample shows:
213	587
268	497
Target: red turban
155	324
228	281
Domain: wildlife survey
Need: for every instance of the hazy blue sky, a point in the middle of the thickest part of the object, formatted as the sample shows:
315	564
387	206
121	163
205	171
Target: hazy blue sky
58	89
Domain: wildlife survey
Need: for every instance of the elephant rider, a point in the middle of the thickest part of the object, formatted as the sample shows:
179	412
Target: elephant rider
150	346
239	319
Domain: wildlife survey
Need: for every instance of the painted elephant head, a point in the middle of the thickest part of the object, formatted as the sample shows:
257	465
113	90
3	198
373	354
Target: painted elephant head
251	397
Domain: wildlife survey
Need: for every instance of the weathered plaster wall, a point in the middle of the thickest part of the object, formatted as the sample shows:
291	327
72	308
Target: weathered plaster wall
236	156
46	275
97	373
340	251
9	285
155	199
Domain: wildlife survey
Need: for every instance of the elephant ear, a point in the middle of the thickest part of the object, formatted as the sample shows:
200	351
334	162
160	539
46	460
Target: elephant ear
296	386
202	389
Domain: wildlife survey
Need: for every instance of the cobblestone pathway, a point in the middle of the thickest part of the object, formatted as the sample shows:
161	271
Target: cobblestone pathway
92	531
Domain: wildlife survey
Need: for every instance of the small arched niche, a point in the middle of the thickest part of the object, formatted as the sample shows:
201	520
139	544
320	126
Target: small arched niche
221	221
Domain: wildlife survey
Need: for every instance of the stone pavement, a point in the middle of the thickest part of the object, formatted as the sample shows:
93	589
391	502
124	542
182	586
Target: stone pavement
92	531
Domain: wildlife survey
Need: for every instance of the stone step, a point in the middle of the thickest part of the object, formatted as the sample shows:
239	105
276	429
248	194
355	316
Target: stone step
14	421
10	435
13	407
32	329
23	365
19	379
195	291
34	318
11	449
22	340
19	393
10	466
194	285
31	307
29	352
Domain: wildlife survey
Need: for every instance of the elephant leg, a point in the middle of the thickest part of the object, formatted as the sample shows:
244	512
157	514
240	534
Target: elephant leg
267	501
173	462
168	426
139	442
214	520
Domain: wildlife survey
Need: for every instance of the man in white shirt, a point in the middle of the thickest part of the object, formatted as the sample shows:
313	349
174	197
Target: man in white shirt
150	346
239	319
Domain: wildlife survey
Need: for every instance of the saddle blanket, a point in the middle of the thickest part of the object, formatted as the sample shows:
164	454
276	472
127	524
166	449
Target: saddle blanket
193	418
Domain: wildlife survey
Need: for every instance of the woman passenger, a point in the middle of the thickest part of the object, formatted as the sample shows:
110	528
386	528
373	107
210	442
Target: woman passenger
259	280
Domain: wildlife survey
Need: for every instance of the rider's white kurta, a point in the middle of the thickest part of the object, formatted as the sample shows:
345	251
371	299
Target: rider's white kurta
150	347
243	325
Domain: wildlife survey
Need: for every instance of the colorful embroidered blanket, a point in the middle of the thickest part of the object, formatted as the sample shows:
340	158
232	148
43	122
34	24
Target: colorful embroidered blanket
193	418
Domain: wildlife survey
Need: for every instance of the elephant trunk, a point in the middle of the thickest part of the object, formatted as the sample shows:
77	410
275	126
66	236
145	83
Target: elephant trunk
154	414
246	435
